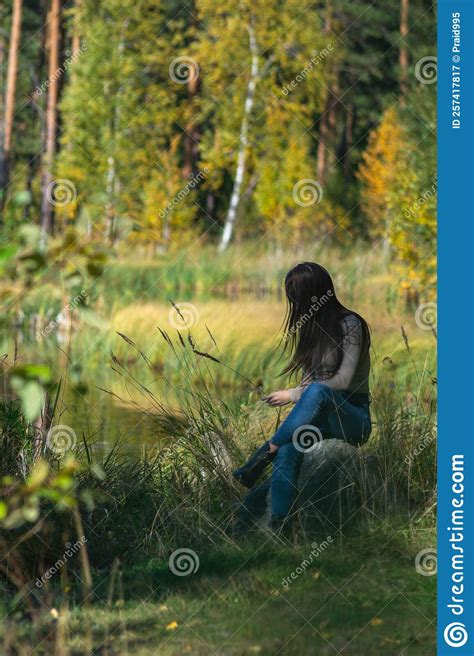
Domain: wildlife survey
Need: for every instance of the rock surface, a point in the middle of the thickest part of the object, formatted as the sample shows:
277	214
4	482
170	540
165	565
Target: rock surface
337	484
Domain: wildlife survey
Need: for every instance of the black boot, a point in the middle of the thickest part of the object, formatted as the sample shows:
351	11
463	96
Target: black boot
249	474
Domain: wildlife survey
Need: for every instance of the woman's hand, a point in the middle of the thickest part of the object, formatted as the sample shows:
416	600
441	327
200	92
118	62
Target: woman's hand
278	398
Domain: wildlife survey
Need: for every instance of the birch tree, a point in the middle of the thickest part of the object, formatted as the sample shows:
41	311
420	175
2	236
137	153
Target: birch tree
243	143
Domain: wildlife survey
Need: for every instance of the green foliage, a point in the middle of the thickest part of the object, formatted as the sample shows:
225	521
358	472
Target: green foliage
20	501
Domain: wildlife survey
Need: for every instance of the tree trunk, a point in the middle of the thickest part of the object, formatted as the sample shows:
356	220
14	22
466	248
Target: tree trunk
327	125
76	37
243	142
3	50
327	120
349	138
113	182
403	54
210	204
7	124
110	192
192	132
54	35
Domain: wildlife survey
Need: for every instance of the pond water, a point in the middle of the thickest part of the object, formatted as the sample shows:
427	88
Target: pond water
85	367
85	404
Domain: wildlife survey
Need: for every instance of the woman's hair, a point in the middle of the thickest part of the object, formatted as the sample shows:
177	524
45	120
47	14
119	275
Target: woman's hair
313	322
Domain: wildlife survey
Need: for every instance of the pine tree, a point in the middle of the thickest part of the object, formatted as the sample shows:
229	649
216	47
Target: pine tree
54	37
10	95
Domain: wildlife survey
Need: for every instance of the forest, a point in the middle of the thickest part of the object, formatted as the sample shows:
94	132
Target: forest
163	164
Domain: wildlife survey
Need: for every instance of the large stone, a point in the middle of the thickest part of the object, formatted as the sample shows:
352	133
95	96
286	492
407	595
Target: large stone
338	483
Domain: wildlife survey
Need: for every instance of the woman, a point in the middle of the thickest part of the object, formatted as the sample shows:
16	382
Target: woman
329	346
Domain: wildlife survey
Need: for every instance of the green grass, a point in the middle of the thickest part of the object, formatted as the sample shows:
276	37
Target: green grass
361	596
362	276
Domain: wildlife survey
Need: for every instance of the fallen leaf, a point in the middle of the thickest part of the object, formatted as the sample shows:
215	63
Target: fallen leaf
376	621
172	626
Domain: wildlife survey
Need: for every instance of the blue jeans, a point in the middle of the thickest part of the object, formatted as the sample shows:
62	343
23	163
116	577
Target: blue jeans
320	413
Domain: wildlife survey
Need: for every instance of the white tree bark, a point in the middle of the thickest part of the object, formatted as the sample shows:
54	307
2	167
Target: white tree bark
243	143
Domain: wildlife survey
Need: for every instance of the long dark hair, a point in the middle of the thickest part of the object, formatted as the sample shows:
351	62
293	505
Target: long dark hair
312	326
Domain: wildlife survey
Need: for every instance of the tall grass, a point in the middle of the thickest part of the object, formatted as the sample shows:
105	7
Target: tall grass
201	437
201	273
179	492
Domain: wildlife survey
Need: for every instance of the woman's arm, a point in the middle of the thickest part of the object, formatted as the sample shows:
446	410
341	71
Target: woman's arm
351	346
283	397
296	392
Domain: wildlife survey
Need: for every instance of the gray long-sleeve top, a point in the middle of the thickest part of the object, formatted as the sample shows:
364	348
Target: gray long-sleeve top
353	373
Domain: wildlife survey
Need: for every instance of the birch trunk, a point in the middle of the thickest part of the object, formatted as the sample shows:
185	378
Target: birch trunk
243	143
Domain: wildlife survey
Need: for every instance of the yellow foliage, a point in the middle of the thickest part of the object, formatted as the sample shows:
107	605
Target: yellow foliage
378	171
399	201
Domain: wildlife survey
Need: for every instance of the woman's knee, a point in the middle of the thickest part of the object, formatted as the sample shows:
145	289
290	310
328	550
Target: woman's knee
316	391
